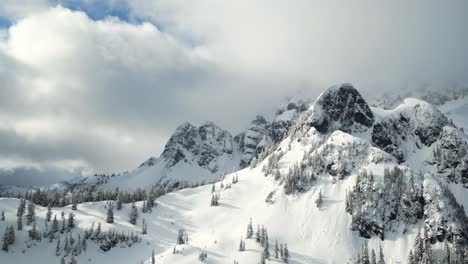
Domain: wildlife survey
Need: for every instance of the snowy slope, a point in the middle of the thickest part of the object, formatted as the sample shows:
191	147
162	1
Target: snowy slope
327	151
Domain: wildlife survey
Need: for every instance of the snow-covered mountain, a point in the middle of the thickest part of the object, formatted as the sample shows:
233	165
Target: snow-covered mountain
331	181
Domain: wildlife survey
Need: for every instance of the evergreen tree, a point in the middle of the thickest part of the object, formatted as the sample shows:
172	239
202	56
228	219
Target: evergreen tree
257	234
33	233
2	217
266	250
411	258
57	248
97	233
49	213
6	241
319	200
133	214
11	235
55	225
381	256
249	229
153	260
241	245
74	203
19	223
447	252
365	254
285	254
276	249
71	221
31	215
144	227
119	202
73	260
262	258
373	259
110	213
182	237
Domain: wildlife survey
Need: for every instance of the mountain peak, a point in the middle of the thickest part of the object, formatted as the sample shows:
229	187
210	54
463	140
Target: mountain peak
341	107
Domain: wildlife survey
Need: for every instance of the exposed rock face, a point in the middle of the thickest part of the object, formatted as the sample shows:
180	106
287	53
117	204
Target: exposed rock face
341	108
413	121
285	119
202	145
254	140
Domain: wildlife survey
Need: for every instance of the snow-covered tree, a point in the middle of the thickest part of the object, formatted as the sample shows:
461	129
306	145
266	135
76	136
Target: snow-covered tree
110	213
19	223
133	214
319	200
71	220
285	254
182	237
31	214
57	248
144	227
249	229
49	213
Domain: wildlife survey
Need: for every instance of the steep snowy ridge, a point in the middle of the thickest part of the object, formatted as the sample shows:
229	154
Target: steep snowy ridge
344	176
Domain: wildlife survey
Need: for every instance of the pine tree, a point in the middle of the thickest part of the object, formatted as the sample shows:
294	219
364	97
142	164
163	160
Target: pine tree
133	214
144	227
373	259
381	256
73	260
71	221
57	248
49	213
411	258
31	215
110	213
285	253
2	217
276	249
249	229
55	225
74	203
19	223
266	250
257	234
153	260
263	258
365	254
241	245
97	233
119	202
33	233
319	200
447	252
11	235
5	241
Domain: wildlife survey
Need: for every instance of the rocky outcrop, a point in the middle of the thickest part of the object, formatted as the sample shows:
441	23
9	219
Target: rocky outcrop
198	145
254	140
341	108
414	121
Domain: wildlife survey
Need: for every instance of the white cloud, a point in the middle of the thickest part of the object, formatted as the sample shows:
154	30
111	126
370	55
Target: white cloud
108	93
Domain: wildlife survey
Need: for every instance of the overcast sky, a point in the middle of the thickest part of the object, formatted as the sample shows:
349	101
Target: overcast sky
100	85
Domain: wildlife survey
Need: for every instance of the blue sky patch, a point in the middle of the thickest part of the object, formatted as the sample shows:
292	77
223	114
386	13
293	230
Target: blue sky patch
98	9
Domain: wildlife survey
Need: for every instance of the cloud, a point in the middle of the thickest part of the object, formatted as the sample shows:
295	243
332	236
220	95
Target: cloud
368	43
104	83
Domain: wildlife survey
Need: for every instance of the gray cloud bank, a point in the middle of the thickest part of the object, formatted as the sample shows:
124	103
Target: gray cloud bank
107	94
